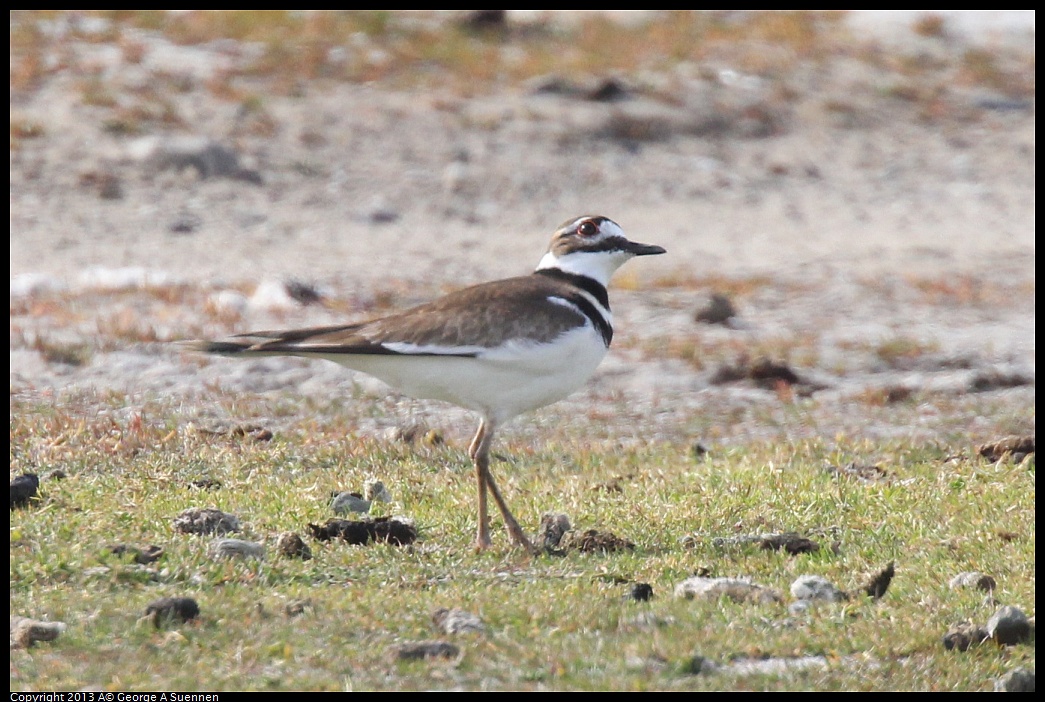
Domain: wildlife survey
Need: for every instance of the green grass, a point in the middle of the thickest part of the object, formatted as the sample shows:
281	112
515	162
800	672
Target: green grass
553	622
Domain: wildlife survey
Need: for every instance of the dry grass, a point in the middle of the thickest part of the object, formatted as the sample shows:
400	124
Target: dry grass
984	68
704	352
422	49
899	351
632	279
23	128
931	25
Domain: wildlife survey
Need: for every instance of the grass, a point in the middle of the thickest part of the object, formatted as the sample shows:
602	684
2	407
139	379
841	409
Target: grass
553	622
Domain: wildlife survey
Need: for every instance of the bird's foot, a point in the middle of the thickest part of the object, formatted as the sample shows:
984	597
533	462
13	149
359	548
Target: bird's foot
519	539
482	539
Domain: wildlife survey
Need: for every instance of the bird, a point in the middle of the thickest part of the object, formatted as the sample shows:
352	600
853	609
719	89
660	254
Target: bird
499	349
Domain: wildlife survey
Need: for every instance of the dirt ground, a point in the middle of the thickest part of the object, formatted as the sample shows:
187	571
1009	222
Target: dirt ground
874	230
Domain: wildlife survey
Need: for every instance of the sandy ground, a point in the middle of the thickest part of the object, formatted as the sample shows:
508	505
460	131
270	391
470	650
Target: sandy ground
839	217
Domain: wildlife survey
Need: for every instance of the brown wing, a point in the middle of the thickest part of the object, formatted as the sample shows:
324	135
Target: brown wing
482	316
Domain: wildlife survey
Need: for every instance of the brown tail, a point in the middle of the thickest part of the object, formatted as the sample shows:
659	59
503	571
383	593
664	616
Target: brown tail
223	348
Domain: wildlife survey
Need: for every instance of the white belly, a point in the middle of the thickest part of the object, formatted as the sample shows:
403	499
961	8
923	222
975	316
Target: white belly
499	383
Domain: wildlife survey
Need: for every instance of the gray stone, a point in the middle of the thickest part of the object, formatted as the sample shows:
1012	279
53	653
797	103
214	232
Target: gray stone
1018	680
736	589
227	548
1008	626
814	587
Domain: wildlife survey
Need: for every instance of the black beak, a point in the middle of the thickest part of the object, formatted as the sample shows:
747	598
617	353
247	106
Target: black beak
644	249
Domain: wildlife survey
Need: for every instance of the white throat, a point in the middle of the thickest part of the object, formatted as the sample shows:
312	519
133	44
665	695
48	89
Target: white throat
597	265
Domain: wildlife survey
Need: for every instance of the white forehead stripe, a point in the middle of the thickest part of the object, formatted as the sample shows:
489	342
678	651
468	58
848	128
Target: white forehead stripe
607	228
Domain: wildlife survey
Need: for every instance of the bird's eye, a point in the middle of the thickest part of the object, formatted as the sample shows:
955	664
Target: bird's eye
587	228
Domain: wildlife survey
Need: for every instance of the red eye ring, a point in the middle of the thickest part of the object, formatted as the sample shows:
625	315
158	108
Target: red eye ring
587	228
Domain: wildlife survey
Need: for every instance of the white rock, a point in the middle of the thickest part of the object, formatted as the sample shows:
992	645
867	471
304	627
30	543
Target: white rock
237	547
272	295
227	302
29	284
814	587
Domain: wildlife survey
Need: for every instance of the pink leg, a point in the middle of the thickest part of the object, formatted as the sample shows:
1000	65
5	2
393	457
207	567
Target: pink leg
480	454
478	451
515	532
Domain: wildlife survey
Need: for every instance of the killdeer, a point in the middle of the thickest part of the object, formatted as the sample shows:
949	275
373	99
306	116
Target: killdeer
499	349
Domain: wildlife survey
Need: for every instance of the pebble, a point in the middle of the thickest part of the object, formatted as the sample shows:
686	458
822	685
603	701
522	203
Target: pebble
347	502
423	650
814	587
375	490
141	556
718	310
23	489
964	635
25	632
973	579
1009	626
290	545
1017	680
458	621
736	589
172	609
227	548
640	592
205	521
552	528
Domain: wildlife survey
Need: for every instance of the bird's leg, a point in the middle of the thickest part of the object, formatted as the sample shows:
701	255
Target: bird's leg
479	452
515	532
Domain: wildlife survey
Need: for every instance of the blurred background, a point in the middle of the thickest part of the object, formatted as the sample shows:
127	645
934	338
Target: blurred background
849	195
208	143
